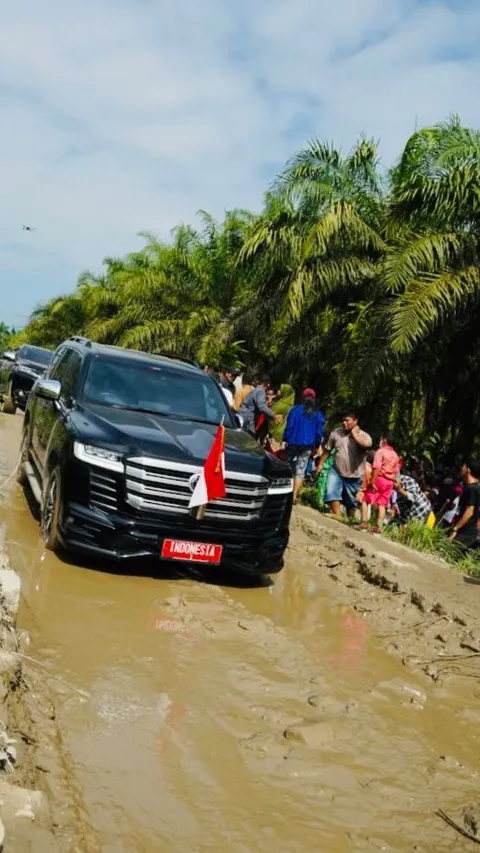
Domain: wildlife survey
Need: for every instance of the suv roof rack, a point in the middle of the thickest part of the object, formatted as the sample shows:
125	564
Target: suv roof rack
177	357
80	340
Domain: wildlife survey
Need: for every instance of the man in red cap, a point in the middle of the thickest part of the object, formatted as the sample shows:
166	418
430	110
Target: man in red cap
303	435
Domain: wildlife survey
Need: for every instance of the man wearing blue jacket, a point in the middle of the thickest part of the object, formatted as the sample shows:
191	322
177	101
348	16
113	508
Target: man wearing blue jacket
303	435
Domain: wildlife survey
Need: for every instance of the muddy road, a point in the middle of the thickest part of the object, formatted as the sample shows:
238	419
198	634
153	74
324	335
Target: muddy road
185	713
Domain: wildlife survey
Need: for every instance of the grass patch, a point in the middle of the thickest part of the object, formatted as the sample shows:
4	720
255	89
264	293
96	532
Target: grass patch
419	537
422	538
309	497
434	541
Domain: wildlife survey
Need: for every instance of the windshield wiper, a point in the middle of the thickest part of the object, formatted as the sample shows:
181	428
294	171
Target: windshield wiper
164	414
199	420
140	409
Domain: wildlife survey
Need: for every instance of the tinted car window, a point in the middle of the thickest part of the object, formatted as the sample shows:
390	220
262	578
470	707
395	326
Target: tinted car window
57	355
57	368
66	370
155	388
41	356
72	372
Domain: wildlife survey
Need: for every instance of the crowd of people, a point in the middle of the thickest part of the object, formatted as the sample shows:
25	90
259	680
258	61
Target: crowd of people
373	487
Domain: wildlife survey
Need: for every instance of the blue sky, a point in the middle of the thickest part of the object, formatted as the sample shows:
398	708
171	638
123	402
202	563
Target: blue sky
126	115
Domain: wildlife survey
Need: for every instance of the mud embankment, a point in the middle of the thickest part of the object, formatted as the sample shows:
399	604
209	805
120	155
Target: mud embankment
25	820
422	611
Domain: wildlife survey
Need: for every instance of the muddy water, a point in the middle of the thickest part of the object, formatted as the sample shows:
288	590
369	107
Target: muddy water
196	716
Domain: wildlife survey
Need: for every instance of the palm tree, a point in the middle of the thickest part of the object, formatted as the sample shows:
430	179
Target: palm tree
56	320
433	264
421	331
175	297
315	248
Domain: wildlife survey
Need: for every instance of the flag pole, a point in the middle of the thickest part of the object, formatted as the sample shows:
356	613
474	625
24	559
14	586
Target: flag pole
200	513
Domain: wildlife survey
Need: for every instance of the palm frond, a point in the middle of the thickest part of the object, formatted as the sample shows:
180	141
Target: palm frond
414	254
428	300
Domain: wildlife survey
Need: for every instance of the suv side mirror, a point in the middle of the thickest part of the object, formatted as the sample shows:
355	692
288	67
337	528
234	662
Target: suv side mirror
49	389
9	355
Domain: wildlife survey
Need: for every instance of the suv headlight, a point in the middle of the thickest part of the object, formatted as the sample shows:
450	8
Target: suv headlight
99	456
281	486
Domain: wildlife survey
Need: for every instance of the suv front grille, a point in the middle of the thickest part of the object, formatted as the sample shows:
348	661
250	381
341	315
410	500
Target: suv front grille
275	512
103	491
155	485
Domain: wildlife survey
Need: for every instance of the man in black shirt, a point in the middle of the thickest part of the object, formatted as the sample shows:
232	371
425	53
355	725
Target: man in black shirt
466	529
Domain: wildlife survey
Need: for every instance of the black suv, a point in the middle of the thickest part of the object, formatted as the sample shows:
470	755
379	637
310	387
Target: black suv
19	370
112	446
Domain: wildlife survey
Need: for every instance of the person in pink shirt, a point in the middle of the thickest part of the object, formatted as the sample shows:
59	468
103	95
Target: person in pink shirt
385	470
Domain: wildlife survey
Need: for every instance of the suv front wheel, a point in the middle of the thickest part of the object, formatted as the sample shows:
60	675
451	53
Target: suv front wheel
51	510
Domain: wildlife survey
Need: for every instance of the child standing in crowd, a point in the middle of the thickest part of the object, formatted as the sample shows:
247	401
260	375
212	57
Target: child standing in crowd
370	456
385	470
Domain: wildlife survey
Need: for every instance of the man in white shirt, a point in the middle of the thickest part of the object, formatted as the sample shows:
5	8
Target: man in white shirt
228	395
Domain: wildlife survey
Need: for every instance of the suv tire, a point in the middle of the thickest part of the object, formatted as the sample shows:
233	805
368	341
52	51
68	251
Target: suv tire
22	478
51	510
9	406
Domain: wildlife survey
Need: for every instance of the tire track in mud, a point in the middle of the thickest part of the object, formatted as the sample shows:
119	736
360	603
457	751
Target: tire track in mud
300	726
71	821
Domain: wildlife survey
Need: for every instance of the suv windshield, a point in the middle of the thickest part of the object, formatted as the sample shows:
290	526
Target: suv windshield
37	354
155	388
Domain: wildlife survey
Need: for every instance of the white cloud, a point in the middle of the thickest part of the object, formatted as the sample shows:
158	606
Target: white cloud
130	115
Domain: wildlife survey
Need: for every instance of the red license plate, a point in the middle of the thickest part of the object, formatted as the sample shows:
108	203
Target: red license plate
195	552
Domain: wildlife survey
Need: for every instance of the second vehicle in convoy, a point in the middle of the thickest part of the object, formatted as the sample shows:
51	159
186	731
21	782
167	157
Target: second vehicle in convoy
19	370
113	444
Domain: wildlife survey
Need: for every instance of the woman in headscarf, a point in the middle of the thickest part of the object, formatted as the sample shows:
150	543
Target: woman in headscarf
281	406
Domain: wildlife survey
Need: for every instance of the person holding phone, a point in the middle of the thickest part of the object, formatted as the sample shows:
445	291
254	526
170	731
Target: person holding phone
346	474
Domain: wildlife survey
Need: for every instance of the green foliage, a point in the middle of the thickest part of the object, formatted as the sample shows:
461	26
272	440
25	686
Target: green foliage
6	335
434	541
309	497
470	565
365	286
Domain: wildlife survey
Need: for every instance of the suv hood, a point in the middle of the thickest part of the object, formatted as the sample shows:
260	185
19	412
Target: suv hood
140	433
30	366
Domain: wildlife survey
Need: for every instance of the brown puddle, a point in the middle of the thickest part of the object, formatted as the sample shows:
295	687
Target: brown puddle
190	716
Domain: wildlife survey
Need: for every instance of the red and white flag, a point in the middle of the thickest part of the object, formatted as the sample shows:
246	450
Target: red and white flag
211	483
